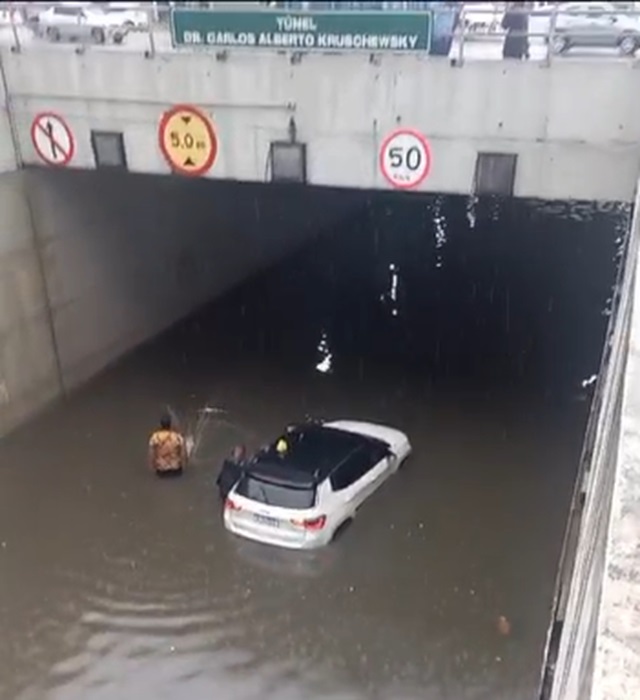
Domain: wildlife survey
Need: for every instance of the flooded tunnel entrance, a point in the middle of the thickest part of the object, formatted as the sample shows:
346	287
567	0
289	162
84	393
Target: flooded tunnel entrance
470	325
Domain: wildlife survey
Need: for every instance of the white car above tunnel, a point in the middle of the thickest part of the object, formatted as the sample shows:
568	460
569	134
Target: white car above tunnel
302	498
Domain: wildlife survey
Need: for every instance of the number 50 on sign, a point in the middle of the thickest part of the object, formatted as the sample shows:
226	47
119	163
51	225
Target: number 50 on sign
405	158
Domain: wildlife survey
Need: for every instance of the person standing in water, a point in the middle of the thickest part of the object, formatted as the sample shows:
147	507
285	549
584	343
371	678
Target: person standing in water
167	455
232	471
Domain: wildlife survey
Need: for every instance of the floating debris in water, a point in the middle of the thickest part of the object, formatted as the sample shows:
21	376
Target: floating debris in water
504	626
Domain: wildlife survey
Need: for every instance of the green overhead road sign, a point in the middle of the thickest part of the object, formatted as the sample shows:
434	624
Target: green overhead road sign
395	32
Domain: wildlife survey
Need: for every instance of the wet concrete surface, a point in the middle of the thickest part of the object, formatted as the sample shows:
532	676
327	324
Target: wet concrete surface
116	585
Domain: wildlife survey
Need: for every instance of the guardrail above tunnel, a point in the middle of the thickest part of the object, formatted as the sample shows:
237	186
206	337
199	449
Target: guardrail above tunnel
366	99
531	30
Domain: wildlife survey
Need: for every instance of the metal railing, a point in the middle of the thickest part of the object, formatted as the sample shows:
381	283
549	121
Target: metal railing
458	31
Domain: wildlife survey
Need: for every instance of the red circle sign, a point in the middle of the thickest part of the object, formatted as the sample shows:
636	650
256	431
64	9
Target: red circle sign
187	140
52	139
405	158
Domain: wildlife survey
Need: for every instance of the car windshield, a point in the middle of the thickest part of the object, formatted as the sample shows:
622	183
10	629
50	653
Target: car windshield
294	497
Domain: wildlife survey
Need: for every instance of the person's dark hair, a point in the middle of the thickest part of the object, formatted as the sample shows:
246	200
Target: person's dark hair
165	422
239	453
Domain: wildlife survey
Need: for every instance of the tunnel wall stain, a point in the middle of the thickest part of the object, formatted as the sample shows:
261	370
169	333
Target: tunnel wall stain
28	368
7	149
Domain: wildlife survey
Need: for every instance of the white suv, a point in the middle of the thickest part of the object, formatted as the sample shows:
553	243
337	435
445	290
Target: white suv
595	24
302	498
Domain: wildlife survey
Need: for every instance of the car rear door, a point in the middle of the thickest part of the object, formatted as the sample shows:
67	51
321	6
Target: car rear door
67	21
573	19
362	474
381	465
599	28
347	481
605	24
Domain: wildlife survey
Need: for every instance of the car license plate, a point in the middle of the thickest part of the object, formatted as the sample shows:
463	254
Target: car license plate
266	520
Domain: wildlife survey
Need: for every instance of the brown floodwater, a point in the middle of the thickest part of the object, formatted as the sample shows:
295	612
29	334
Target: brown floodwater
117	586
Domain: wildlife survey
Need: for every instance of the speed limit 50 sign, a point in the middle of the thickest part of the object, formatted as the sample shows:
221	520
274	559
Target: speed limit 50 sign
405	158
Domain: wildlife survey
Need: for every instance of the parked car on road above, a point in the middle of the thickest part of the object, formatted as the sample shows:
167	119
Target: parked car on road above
129	14
595	24
80	22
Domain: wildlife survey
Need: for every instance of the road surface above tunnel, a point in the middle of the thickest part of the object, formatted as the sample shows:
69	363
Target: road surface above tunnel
116	585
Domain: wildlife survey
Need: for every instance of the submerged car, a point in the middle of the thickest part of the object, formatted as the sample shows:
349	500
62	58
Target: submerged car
302	496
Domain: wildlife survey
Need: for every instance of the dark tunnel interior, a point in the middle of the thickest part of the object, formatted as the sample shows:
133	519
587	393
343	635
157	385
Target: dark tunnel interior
491	295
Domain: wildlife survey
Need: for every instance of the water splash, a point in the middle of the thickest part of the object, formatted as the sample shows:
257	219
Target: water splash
325	364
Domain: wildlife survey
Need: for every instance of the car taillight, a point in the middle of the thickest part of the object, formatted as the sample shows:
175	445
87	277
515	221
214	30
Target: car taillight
231	505
312	523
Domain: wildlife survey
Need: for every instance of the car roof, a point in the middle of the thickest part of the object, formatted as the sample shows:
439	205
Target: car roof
315	451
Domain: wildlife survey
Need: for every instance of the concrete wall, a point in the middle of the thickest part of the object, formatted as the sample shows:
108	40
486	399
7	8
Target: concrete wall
7	150
28	371
571	144
125	256
598	654
616	666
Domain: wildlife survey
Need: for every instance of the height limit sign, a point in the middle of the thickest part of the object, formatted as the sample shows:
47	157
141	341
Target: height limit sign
187	140
52	139
405	158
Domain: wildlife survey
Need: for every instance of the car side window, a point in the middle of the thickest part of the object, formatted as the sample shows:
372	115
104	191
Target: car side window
350	471
378	453
356	466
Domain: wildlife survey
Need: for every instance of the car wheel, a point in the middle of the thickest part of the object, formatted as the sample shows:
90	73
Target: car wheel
53	34
628	45
341	529
98	35
118	38
559	44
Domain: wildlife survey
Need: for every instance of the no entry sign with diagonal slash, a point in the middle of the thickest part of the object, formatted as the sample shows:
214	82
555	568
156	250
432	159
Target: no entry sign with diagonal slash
52	139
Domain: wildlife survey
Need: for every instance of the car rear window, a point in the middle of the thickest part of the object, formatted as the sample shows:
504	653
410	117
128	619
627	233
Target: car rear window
276	494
